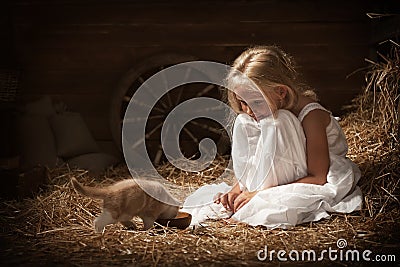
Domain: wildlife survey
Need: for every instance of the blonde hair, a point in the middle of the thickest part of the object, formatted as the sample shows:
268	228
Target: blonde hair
267	67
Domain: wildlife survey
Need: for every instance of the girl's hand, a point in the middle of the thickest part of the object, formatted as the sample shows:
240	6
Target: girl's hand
243	199
227	200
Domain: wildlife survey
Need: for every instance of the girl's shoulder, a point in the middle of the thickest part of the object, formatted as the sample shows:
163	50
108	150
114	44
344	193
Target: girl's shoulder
312	106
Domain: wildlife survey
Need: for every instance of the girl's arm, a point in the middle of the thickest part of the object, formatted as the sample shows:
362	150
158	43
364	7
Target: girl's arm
314	125
228	199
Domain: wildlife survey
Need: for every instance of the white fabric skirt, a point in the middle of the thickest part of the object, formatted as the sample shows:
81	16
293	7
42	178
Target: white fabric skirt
272	154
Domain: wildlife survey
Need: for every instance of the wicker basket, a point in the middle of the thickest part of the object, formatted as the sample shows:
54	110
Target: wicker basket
9	85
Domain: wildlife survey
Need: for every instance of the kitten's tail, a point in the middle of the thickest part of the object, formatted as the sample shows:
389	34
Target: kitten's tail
88	191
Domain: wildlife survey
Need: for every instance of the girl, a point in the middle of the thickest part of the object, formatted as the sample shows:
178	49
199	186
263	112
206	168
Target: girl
288	152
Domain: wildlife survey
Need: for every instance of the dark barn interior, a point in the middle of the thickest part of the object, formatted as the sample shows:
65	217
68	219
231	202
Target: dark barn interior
78	52
68	68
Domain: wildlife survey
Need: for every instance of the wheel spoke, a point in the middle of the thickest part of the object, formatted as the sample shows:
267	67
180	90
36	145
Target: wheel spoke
175	130
188	72
142	82
138	119
205	90
205	110
178	97
191	135
154	130
137	143
206	127
128	99
165	81
181	88
150	89
158	156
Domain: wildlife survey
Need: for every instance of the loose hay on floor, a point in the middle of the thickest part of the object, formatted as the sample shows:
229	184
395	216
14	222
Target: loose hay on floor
55	227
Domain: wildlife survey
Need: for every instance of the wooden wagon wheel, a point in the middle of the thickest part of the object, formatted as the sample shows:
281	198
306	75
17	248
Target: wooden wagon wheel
191	134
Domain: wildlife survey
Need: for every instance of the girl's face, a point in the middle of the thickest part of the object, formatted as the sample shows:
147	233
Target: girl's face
253	104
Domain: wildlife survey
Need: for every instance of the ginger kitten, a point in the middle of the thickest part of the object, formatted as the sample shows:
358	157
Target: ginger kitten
126	199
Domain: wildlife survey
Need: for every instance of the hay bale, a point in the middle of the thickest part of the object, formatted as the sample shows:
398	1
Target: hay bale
372	130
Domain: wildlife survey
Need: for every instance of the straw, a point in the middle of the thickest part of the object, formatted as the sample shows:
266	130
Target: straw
55	227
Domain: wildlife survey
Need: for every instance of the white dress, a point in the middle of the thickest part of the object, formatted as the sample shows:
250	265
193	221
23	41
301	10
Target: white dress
272	152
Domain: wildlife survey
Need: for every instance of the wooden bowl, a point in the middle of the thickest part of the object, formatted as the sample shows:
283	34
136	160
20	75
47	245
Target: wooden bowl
181	221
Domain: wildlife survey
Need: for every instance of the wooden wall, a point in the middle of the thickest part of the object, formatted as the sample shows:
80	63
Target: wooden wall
77	51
